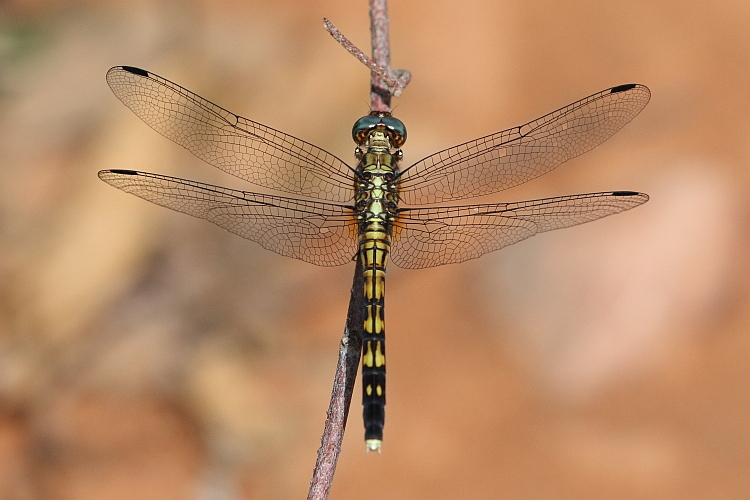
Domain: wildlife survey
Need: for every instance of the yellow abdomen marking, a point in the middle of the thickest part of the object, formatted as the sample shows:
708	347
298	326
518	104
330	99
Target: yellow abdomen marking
374	320
379	356
378	320
368	357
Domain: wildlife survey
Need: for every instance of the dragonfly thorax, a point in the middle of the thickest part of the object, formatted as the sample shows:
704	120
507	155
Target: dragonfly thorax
376	192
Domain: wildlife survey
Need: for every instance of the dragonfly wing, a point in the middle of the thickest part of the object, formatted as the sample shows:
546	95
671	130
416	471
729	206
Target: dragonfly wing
428	237
236	145
514	156
320	233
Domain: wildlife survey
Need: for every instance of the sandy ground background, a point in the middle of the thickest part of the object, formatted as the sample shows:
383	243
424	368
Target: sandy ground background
148	355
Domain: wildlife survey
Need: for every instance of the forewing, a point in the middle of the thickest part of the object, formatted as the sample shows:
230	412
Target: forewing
236	145
320	233
428	237
514	156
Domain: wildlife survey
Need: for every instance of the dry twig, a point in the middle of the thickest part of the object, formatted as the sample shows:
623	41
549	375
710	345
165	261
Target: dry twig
386	81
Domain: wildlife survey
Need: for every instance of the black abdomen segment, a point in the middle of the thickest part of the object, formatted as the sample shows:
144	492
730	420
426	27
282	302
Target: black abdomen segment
374	249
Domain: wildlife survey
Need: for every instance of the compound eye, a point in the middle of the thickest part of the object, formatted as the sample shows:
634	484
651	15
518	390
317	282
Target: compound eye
396	130
362	127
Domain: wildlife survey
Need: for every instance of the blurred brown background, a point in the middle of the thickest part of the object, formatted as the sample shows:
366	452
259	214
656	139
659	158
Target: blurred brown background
148	355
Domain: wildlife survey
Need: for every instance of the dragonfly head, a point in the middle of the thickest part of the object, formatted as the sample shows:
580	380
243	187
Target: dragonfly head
379	121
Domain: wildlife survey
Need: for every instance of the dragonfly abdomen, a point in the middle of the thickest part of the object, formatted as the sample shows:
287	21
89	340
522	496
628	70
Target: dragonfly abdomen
374	248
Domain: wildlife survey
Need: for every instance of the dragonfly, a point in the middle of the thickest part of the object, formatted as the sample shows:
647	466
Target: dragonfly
375	211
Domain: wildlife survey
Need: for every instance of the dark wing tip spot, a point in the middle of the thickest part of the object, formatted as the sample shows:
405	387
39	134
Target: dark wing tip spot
622	88
625	193
124	172
135	71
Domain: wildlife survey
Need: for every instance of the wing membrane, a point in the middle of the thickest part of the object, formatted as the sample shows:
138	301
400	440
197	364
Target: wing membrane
236	145
320	233
514	156
428	237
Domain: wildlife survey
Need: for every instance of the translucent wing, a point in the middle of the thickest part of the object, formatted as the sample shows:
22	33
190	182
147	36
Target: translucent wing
236	145
428	237
320	233
514	156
